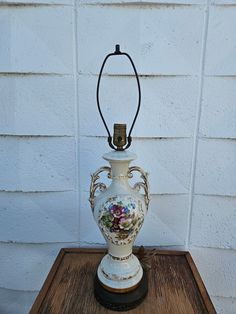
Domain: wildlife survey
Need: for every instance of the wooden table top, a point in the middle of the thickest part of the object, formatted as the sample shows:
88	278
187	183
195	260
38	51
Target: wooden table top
175	286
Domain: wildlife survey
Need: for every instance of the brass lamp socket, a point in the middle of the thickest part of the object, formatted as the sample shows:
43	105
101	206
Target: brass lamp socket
119	136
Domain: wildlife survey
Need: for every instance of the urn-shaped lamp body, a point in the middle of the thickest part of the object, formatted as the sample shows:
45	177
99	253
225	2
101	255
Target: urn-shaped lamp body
119	211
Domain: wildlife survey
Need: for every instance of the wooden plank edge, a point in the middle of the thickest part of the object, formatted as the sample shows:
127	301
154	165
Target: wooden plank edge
85	250
43	291
203	291
159	251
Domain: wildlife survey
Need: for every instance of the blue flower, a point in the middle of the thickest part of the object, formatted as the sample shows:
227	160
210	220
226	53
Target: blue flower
126	210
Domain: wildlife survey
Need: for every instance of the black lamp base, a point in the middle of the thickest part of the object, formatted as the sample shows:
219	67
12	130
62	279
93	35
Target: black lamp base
121	301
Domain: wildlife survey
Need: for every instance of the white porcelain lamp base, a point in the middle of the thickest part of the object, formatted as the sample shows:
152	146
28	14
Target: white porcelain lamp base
119	211
120	275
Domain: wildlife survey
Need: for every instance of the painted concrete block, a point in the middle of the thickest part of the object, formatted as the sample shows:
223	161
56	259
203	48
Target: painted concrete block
30	2
26	266
142	2
218	113
167	109
224	305
37	105
165	223
15	302
214	221
217	269
167	161
48	39
223	2
160	40
216	167
38	217
37	164
221	38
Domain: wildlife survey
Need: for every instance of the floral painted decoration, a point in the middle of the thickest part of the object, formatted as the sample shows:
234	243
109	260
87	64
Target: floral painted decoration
120	219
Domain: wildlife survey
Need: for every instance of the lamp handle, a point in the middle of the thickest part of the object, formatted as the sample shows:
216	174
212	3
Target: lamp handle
118	52
138	185
94	186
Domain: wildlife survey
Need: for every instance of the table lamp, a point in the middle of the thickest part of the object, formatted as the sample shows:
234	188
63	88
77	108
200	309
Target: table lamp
119	211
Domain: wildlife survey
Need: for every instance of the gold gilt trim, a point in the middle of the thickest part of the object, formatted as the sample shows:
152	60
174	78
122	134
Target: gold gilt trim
144	185
94	186
124	258
119	278
122	290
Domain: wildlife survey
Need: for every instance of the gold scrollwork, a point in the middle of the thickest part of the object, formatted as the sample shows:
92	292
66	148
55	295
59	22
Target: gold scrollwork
94	186
144	185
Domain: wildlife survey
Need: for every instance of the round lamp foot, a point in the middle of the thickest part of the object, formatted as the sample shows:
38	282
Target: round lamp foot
121	301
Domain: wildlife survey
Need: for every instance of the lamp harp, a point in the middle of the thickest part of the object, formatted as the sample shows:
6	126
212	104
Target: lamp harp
113	143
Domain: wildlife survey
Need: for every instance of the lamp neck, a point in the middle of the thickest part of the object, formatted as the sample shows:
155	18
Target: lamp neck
119	161
119	170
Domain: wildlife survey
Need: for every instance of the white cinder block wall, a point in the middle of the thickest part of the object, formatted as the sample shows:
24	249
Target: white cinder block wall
52	137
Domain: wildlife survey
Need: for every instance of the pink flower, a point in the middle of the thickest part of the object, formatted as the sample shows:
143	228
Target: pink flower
126	223
117	211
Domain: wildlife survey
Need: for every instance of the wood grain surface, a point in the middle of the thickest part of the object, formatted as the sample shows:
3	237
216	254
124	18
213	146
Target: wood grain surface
175	286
